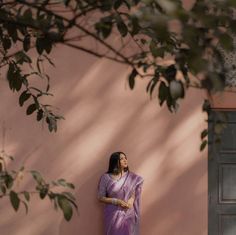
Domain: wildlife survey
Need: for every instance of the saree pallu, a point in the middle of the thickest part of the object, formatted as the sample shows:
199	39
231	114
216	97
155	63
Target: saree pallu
118	220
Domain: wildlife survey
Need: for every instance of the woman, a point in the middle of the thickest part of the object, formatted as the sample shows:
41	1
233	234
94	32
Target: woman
120	190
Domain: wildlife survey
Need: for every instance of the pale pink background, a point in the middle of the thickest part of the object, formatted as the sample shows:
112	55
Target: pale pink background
103	115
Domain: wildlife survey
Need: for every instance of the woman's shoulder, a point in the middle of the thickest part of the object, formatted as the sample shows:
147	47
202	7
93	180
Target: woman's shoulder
105	175
104	179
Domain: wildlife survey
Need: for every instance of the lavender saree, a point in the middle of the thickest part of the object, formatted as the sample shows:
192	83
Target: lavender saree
120	221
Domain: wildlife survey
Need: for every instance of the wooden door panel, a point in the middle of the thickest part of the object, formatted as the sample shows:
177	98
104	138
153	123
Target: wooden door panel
227	225
227	183
222	176
228	137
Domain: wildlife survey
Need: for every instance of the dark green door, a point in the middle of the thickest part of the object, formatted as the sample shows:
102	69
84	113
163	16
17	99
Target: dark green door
222	173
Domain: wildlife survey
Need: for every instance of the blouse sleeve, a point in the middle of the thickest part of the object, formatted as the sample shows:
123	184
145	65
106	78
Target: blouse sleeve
102	186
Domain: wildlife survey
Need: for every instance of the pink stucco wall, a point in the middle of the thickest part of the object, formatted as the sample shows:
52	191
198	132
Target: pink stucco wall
224	100
101	116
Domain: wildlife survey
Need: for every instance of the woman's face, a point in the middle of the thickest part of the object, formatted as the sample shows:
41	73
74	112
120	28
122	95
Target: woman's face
123	161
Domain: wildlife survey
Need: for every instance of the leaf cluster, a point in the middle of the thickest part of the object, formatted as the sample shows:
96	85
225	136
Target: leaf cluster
61	198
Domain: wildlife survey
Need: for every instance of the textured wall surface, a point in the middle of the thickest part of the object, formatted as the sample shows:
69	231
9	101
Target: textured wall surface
101	116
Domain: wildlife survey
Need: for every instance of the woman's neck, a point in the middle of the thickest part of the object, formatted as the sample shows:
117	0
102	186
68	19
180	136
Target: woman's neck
120	173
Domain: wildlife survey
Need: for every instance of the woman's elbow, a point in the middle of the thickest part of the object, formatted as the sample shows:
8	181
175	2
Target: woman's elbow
100	199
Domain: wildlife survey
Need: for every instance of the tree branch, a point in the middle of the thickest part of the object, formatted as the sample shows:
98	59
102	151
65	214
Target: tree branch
69	21
92	52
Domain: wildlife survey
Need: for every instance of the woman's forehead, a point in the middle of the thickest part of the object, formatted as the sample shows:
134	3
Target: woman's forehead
122	156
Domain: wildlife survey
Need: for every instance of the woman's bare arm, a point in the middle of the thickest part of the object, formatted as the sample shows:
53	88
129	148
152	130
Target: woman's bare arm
115	201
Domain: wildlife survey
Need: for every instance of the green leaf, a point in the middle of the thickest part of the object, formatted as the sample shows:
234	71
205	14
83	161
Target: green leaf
3	189
28	14
204	133
163	93
136	1
15	201
37	176
135	25
48	45
55	203
22	57
156	52
27	195
232	25
60	24
39	115
26	43
232	2
23	97
121	27
72	203
65	206
52	123
9	181
17	82
43	192
6	42
132	76
117	4
176	89
14	77
152	87
127	3
31	108
52	195
226	41
66	2
197	64
69	195
63	182
206	106
104	27
10	74
170	73
26	207
12	31
106	5
70	185
152	84
40	45
143	41
203	145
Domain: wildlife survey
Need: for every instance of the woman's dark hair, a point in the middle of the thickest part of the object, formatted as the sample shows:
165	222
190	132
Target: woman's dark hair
114	163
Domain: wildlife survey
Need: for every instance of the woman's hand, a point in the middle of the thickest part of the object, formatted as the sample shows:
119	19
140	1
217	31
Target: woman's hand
122	203
130	202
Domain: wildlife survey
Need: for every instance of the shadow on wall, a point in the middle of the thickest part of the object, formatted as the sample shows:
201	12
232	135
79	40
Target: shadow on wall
103	116
179	192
